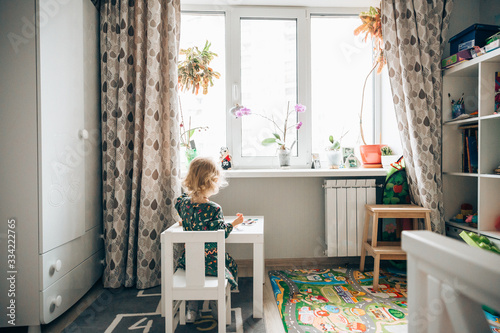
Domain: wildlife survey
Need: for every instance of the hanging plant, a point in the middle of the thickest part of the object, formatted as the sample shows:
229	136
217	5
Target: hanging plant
195	71
372	28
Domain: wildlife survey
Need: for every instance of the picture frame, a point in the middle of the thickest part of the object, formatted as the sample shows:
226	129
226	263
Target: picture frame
316	164
346	151
352	162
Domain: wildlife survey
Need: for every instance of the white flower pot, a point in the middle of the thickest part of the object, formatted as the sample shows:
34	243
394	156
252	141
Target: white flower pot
387	160
334	158
284	157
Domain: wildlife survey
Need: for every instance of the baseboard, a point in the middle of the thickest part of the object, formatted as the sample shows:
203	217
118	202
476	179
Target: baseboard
245	266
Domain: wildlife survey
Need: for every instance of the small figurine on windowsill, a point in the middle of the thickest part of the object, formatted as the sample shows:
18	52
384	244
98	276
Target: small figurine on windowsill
225	158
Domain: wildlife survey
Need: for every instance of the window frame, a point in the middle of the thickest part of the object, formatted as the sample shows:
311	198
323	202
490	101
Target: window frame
302	15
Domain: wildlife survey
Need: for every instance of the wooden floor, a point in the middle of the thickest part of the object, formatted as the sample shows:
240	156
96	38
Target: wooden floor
271	315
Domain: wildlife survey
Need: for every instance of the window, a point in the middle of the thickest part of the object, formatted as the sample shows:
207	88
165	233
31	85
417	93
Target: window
340	63
268	81
210	109
269	57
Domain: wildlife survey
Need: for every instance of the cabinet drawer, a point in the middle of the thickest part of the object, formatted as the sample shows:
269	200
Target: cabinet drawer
70	288
59	261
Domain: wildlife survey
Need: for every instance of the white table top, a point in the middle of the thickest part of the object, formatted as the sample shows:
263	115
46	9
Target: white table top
250	233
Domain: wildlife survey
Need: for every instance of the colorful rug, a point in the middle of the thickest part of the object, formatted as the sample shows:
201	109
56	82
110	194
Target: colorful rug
341	300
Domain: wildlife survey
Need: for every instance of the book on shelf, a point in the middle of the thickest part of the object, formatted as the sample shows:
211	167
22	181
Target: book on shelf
497	91
469	148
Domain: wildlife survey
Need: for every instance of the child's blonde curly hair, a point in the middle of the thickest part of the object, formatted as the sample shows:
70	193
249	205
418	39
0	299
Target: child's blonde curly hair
203	176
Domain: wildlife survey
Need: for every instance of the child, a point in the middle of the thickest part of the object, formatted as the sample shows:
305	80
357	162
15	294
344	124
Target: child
204	178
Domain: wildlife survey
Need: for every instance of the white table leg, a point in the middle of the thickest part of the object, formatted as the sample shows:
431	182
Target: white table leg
258	280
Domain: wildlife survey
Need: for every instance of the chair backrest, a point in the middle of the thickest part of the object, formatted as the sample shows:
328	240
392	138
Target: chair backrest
195	254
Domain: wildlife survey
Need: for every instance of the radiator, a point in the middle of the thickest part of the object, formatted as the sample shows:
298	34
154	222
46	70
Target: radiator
345	201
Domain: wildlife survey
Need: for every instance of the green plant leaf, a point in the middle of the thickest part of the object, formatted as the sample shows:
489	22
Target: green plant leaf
268	141
190	133
277	136
331	138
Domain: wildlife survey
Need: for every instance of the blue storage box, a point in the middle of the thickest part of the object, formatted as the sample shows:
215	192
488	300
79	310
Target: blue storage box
475	35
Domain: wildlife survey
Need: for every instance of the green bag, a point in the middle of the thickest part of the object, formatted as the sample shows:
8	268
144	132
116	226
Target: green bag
396	189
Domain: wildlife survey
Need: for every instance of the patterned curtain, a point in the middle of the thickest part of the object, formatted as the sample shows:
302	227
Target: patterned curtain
140	131
414	34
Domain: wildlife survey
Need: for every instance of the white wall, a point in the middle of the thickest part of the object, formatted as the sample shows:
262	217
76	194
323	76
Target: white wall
294	212
489	12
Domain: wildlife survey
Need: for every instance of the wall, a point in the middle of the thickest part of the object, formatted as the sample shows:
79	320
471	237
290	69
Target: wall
489	12
294	211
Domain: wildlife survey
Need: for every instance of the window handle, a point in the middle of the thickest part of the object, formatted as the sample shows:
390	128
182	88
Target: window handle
236	92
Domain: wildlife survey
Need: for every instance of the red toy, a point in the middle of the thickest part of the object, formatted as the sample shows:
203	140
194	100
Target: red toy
497	223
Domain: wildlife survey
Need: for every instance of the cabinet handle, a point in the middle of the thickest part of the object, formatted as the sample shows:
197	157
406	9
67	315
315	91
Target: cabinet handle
55	267
84	134
56	301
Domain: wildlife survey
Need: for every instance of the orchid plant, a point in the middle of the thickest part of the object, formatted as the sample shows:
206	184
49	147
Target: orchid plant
280	132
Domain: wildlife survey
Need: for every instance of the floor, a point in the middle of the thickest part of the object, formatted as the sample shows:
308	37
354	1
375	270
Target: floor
272	318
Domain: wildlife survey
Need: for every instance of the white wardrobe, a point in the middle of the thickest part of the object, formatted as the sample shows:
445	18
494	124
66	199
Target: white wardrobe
50	158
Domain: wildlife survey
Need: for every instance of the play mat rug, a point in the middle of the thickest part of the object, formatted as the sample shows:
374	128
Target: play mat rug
342	300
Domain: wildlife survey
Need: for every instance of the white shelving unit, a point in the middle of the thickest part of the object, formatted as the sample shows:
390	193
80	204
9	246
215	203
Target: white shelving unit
476	79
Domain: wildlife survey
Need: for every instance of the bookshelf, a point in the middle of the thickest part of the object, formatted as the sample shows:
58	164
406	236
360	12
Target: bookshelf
481	188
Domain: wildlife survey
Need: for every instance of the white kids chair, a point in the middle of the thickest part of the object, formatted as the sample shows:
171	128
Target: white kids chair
191	283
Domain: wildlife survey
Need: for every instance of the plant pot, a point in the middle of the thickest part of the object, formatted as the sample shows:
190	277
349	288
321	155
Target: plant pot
387	160
284	157
371	154
334	158
191	154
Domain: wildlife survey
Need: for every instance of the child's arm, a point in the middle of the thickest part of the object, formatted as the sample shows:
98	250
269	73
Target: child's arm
238	220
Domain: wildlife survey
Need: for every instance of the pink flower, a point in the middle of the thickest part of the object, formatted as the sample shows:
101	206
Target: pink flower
246	111
300	108
299	125
238	113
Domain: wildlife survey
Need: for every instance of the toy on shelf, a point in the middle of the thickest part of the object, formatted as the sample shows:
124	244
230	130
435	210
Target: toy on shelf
497	223
225	158
466	215
466	209
482	242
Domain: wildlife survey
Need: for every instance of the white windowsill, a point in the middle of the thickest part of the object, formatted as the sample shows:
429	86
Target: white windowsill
275	173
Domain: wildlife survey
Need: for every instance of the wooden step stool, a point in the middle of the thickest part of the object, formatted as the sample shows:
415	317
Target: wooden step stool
388	250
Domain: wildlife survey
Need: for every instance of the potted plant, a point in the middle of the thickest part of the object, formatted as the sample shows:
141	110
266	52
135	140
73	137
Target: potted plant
387	156
333	152
194	71
280	135
372	27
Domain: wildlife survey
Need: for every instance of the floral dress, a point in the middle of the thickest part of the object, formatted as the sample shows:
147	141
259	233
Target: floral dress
206	216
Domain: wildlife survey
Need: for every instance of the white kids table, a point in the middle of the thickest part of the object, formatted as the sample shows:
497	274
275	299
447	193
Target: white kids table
252	234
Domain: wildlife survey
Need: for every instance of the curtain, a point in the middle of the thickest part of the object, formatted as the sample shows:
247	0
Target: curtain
140	131
414	35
